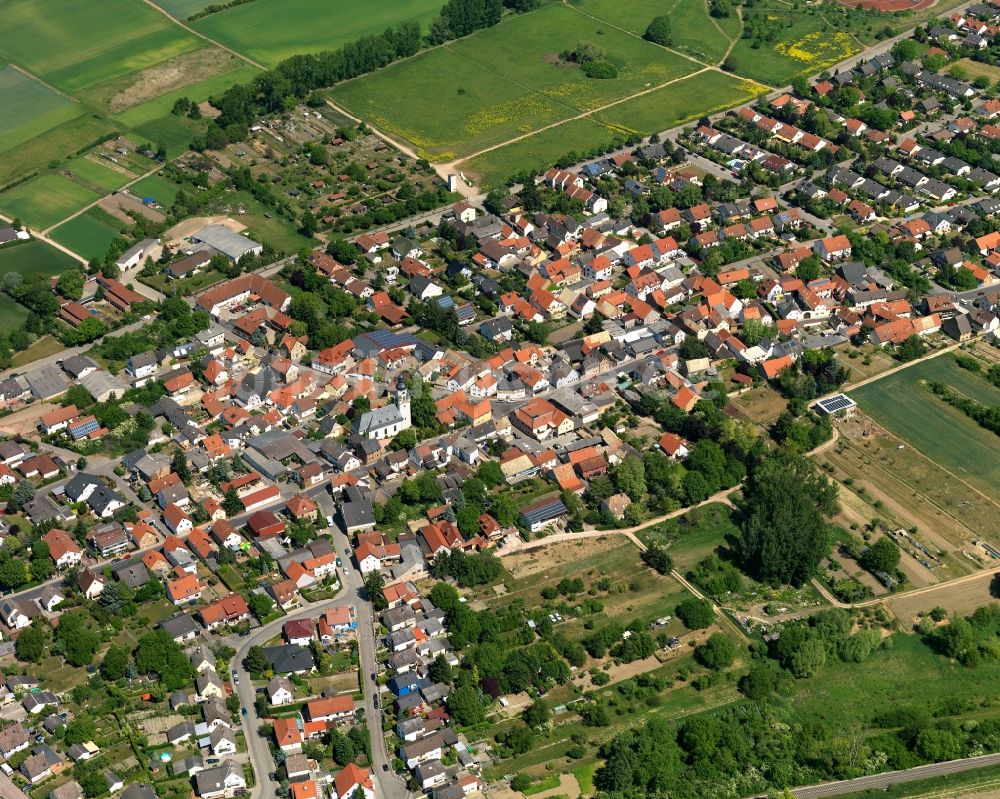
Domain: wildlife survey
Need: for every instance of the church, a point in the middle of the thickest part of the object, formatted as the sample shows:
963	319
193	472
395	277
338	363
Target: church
389	420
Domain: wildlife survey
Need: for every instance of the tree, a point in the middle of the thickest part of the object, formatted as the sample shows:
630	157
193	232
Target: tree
440	669
231	503
76	639
342	748
717	653
629	477
260	605
808	658
158	653
80	730
179	465
659	31
70	284
882	556
658	558
911	349
31	644
465	706
697	614
536	714
505	510
256	661
784	531
114	663
374	583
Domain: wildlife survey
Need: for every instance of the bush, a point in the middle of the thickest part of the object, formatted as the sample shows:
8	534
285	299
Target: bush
717	653
520	782
697	614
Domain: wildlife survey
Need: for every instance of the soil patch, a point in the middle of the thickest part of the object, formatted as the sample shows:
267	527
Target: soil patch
175	73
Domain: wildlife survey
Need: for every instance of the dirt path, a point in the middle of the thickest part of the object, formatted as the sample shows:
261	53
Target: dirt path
48	86
98	201
208	39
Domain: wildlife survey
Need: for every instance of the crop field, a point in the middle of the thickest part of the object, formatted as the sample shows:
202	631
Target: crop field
182	9
269	31
76	45
85	236
690	98
944	434
29	108
34	258
963	598
54	144
694	32
487	98
806	44
43	201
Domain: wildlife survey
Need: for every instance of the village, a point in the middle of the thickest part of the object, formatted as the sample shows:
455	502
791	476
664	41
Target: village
257	525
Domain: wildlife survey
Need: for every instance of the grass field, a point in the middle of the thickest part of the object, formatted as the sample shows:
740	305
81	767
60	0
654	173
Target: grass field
944	434
975	69
537	152
97	176
182	9
680	102
85	236
42	348
693	30
806	44
76	45
269	31
694	536
43	201
31	258
157	187
30	108
54	145
488	98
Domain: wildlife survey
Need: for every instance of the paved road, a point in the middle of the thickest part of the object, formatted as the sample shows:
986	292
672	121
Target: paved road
881	782
389	784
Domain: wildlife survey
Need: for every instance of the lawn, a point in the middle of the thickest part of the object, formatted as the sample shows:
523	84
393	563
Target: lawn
693	30
970	70
173	132
42	348
487	98
97	176
806	44
944	434
30	108
680	102
269	31
85	236
536	153
12	314
43	201
76	45
157	187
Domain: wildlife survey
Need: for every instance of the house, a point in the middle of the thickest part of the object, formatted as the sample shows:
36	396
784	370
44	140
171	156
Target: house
299	632
543	513
835	248
331	709
13	739
91	583
287	735
222	781
63	550
289	659
352	778
279	691
230	609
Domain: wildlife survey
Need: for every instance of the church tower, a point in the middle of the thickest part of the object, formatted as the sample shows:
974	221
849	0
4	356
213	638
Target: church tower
403	400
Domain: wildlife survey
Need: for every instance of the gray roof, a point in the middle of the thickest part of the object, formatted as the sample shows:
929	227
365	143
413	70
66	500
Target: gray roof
76	364
289	658
100	383
221	238
47	382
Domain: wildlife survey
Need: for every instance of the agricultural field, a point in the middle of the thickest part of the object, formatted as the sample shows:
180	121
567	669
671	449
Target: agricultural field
86	235
45	200
159	188
806	43
30	108
903	404
95	43
182	9
53	145
497	98
269	31
961	597
95	175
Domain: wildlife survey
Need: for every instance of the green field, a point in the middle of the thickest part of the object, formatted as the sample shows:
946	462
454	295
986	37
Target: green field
54	145
680	102
694	31
85	236
75	45
29	108
487	98
182	9
937	430
43	201
95	175
31	258
539	151
157	187
269	31
806	45
199	92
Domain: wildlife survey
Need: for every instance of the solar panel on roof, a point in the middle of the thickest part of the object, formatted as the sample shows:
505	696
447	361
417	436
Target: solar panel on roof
835	404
